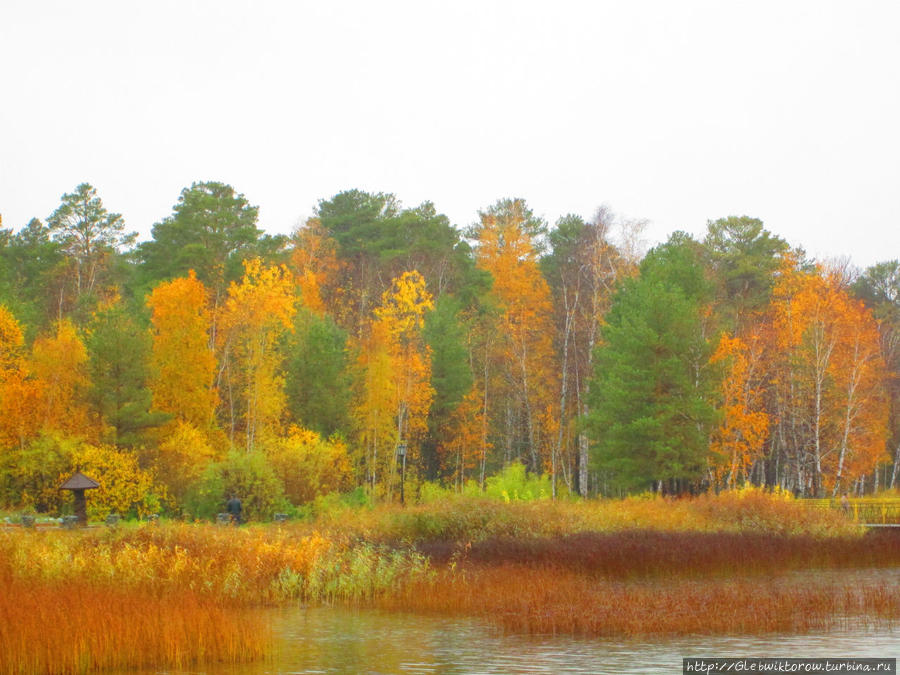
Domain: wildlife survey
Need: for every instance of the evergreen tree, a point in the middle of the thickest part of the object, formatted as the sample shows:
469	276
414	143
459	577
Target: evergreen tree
451	375
119	351
651	397
744	258
212	230
317	377
90	237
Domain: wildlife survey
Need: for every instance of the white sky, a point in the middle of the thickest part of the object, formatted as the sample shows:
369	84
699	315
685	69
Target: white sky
678	112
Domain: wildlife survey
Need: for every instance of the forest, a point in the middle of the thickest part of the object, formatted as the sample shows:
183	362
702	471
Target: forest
381	344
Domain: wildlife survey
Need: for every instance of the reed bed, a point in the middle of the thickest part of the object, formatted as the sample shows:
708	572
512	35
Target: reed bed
551	599
253	566
640	553
640	582
171	595
176	594
81	627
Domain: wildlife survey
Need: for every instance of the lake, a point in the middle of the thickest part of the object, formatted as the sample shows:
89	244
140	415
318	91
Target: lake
338	640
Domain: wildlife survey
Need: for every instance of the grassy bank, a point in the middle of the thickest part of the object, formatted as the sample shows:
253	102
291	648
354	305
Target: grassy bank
172	594
473	519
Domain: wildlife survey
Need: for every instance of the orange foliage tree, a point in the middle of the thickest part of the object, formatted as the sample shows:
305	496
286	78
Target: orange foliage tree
524	352
829	378
315	264
739	440
20	394
464	439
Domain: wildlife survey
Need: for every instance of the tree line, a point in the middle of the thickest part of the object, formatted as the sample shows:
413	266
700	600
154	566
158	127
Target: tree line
215	357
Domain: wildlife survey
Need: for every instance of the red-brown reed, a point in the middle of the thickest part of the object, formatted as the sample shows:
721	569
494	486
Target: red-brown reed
555	599
642	582
642	553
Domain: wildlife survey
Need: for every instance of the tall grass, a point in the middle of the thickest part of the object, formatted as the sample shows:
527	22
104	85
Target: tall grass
466	518
171	595
245	566
554	599
82	627
641	553
641	582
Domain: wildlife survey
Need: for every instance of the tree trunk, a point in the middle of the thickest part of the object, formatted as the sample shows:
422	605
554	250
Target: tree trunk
894	473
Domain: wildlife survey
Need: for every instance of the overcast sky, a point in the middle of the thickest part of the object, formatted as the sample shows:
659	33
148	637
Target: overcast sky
677	112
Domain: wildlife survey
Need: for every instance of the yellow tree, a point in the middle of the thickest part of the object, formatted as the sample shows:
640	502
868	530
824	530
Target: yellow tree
12	343
524	352
402	315
184	452
182	360
309	465
59	363
375	403
257	313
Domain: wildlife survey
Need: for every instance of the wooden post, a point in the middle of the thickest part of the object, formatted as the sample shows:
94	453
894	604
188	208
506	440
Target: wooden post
80	506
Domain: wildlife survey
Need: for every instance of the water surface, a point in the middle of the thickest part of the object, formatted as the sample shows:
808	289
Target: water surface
338	640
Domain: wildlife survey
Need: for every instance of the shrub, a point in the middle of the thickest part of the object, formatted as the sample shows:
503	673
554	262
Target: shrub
184	453
515	484
310	466
31	476
245	474
125	488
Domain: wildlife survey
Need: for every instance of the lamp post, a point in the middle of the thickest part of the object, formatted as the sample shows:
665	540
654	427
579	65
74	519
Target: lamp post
401	453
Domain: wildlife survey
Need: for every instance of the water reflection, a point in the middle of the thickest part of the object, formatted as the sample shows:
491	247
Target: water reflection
333	640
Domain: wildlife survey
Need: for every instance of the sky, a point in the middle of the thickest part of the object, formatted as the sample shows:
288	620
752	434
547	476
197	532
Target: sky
675	112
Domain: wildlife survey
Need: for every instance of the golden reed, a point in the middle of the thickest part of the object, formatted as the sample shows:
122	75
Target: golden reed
82	627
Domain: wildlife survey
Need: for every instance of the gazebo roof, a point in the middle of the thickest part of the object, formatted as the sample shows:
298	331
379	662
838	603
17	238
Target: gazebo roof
79	481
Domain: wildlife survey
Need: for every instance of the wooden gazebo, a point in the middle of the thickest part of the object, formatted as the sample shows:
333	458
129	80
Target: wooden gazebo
78	483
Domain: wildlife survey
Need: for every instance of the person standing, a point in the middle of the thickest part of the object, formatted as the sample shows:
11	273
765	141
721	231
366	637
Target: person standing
234	507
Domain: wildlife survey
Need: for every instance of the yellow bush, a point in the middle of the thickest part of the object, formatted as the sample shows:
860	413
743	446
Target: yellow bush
310	466
184	453
124	487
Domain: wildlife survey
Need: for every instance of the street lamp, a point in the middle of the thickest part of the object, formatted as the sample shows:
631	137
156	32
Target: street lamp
401	453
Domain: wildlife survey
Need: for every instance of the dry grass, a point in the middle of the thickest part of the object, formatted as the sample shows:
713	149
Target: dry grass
80	627
649	583
639	553
172	595
551	599
472	519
